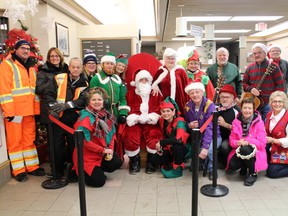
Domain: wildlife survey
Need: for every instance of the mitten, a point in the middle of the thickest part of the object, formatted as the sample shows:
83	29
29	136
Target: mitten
59	107
122	119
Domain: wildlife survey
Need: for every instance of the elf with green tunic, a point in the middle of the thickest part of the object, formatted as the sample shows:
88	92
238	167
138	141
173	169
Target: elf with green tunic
115	88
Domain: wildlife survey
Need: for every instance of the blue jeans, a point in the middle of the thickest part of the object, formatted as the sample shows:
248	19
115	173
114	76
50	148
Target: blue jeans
264	110
210	154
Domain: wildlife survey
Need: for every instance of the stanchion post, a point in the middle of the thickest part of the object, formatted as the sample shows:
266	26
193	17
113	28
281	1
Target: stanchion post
214	171
214	190
195	166
79	137
55	182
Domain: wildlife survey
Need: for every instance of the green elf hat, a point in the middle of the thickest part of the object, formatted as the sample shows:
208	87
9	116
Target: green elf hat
170	103
122	58
110	57
193	56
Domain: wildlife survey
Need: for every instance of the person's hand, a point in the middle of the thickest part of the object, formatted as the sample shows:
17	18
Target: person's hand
121	119
158	146
155	91
108	151
221	121
9	118
255	92
242	142
193	124
54	114
203	153
59	107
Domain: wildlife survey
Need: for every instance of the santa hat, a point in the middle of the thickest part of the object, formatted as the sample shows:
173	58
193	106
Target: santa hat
196	84
89	56
171	104
22	42
229	89
140	74
169	52
121	58
271	46
108	58
193	56
262	46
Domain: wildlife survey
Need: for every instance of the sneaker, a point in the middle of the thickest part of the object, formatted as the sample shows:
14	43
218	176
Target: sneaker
38	172
250	179
21	177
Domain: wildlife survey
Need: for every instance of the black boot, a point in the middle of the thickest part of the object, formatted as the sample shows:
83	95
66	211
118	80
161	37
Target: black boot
134	164
150	166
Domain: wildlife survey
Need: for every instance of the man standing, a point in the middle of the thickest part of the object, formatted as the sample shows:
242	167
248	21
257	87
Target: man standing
114	87
66	96
142	122
20	105
274	53
228	70
255	72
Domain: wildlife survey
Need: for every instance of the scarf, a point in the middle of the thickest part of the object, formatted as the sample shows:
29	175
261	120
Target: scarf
246	125
104	121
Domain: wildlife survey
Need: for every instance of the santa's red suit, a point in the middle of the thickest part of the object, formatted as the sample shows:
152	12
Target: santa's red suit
142	121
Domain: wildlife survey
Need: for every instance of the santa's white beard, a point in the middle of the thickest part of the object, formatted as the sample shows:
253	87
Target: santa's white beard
143	89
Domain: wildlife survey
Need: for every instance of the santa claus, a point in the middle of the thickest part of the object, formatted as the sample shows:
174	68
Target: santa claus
142	127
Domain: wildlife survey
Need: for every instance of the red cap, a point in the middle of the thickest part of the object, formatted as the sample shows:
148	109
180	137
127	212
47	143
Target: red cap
229	89
193	56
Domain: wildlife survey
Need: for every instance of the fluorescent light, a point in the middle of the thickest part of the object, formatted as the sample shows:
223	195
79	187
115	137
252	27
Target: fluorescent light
255	18
232	31
272	30
207	18
192	39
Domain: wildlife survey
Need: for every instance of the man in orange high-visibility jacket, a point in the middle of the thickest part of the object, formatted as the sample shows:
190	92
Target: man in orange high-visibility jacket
20	104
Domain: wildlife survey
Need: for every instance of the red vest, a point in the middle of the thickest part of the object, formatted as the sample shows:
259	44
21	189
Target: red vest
279	155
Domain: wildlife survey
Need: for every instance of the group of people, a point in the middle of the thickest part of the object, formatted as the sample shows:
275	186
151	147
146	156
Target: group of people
156	113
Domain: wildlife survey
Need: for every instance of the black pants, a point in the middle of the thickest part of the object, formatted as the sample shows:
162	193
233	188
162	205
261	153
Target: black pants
97	178
176	155
237	163
63	148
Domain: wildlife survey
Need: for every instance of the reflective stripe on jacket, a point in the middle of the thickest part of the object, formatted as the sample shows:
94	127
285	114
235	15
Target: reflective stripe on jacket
17	89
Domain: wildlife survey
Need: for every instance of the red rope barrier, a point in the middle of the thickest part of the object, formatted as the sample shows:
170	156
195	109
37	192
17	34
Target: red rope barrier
60	124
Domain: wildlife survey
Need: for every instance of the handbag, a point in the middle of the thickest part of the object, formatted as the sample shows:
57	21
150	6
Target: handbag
279	155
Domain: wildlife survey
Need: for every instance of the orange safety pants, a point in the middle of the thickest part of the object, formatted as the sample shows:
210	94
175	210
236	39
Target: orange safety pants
20	144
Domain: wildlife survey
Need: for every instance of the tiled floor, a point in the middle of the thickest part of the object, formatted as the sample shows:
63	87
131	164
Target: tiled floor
146	195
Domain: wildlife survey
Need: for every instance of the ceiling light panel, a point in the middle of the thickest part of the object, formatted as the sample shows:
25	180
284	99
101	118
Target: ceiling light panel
255	18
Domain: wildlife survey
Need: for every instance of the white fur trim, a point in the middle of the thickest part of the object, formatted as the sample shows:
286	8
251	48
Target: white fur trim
173	83
143	74
169	52
274	46
108	58
193	86
132	83
124	107
132	119
115	78
132	153
260	45
154	117
144	107
152	151
161	77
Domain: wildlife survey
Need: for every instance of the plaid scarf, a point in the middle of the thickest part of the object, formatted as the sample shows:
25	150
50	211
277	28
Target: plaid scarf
104	121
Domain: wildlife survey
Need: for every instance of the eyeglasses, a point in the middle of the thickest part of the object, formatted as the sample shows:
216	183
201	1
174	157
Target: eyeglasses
257	53
275	51
54	56
277	102
25	49
91	63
